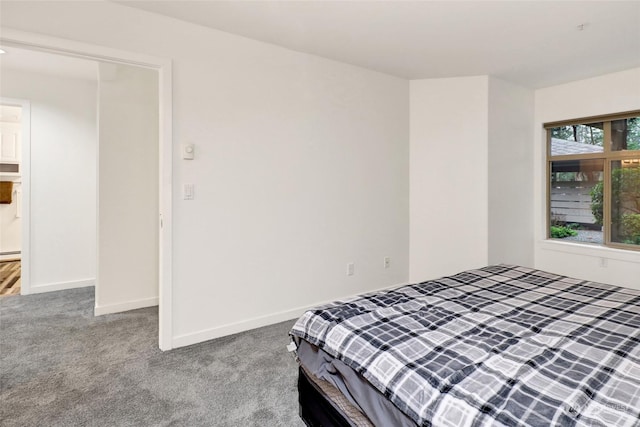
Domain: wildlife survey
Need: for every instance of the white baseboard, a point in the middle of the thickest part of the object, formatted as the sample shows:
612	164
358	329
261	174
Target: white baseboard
125	306
253	323
11	257
234	328
60	286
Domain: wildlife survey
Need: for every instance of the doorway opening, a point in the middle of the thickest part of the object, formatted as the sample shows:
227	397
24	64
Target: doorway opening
162	173
10	197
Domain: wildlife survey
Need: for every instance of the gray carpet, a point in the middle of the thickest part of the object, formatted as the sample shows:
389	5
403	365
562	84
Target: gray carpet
61	366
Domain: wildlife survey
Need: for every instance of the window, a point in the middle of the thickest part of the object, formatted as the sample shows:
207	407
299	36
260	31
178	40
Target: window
594	180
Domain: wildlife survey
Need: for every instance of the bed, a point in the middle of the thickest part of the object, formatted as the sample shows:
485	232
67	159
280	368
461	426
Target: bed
501	346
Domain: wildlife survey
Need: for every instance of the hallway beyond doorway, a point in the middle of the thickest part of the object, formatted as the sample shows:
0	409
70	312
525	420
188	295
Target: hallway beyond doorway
10	277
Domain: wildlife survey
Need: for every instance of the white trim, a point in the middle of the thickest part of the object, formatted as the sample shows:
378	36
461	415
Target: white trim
165	203
125	306
14	257
595	251
255	322
55	45
163	65
25	178
61	286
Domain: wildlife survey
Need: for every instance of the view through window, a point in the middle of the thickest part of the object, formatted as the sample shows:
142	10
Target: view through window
594	181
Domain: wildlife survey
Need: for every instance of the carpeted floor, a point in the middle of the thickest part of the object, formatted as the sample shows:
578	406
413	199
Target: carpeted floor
61	366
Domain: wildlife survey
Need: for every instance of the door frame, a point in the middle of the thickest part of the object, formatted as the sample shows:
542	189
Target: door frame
33	41
25	180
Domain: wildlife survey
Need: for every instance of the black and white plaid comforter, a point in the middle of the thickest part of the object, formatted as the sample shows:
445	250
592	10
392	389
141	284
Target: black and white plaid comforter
501	345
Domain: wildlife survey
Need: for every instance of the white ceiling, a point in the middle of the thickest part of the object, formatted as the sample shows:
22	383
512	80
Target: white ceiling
534	43
47	63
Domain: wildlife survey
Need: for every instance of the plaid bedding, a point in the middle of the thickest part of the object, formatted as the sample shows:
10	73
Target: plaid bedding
501	345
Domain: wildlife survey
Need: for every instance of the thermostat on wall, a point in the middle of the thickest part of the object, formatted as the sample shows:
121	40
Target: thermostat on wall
188	151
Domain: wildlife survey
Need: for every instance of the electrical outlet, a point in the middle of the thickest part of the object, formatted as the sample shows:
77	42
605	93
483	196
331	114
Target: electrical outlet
351	268
387	262
604	262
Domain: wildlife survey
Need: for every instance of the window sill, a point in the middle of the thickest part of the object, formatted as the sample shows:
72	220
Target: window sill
590	250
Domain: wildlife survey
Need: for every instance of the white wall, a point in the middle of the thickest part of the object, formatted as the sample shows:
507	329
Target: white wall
301	167
471	175
449	190
128	189
10	223
510	174
63	177
612	93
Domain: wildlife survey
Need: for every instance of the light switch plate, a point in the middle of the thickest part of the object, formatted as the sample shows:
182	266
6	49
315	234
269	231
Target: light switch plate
188	151
188	192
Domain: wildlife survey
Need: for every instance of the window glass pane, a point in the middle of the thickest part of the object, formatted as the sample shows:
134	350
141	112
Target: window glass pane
573	210
625	134
577	139
625	201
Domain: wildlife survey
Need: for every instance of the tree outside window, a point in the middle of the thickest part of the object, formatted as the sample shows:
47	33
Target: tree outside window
594	181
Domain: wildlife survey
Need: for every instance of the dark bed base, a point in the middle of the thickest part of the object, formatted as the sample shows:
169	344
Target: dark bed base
315	409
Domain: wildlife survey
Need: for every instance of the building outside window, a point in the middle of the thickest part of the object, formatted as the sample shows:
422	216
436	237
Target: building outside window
594	180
